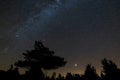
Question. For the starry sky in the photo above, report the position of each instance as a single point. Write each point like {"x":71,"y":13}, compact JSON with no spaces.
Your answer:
{"x":81,"y":31}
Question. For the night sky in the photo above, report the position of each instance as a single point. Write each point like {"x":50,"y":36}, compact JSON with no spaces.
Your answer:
{"x":81,"y":31}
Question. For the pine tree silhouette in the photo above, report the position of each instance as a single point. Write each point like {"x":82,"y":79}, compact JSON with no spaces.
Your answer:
{"x":69,"y":76}
{"x":39,"y":58}
{"x":110,"y":70}
{"x":60,"y":77}
{"x":90,"y":73}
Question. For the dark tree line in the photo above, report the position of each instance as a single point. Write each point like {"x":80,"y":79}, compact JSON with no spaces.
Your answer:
{"x":41,"y":58}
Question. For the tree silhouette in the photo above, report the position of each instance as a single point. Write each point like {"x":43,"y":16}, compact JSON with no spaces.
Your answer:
{"x":110,"y":70}
{"x":12,"y":73}
{"x":40,"y":58}
{"x":60,"y":77}
{"x":76,"y":77}
{"x":69,"y":76}
{"x":90,"y":73}
{"x":53,"y":76}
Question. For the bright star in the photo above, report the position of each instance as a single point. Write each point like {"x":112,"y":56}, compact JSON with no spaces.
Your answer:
{"x":75,"y":65}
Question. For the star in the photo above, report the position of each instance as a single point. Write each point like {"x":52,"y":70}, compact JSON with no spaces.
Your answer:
{"x":17,"y":36}
{"x":6,"y":50}
{"x":76,"y":65}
